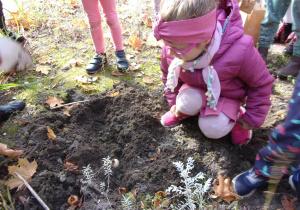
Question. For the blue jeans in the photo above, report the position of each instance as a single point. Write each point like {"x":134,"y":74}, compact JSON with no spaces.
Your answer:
{"x":276,"y":10}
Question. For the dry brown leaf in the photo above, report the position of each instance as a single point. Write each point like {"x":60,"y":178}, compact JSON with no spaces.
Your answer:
{"x":138,"y":75}
{"x":117,"y":73}
{"x":68,"y":108}
{"x":53,"y":101}
{"x":13,"y":154}
{"x":134,"y":193}
{"x":160,"y":195}
{"x":135,"y":42}
{"x":87,"y":88}
{"x":122,"y":190}
{"x":287,"y":203}
{"x":51,"y":135}
{"x":147,"y":80}
{"x":147,"y":20}
{"x":134,"y":67}
{"x":20,"y":122}
{"x":82,"y":78}
{"x":43,"y":69}
{"x":114,"y":94}
{"x":72,"y":167}
{"x":223,"y":190}
{"x":24,"y":169}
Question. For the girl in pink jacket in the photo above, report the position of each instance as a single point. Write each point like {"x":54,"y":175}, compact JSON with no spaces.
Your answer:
{"x":210,"y":68}
{"x":91,"y":7}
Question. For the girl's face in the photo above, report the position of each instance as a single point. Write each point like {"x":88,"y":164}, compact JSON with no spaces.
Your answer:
{"x":185,"y":51}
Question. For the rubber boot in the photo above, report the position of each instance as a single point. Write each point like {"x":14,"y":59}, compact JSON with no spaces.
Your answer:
{"x":10,"y":108}
{"x":263,"y":52}
{"x":292,"y":69}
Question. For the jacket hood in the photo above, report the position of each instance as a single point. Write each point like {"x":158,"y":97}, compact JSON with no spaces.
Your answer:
{"x":234,"y":25}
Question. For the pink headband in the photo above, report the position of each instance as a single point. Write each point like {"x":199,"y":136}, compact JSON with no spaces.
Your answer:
{"x":193,"y":30}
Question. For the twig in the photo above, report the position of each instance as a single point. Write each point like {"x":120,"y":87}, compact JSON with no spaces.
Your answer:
{"x":76,"y":102}
{"x":32,"y":191}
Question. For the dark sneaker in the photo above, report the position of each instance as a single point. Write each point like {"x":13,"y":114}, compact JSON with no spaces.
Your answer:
{"x":98,"y":62}
{"x":288,"y":50}
{"x":295,"y":180}
{"x":10,"y":108}
{"x":122,"y":63}
{"x":246,"y":183}
{"x":168,"y":120}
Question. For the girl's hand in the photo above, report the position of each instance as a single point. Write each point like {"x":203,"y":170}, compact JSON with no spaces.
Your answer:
{"x":244,"y":124}
{"x":175,"y":111}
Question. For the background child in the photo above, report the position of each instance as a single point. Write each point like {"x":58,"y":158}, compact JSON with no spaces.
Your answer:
{"x":91,"y":7}
{"x":283,"y":147}
{"x":276,"y":9}
{"x":210,"y":66}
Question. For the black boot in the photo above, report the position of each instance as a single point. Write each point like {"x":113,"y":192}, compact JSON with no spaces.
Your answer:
{"x":98,"y":62}
{"x":288,"y":50}
{"x":122,"y":63}
{"x":10,"y":108}
{"x":263,"y":51}
{"x":292,"y":69}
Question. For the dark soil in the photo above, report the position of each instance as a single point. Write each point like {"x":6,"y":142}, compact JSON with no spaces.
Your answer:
{"x":127,"y":127}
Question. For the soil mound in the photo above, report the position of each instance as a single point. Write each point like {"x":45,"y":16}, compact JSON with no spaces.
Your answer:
{"x":126,"y":126}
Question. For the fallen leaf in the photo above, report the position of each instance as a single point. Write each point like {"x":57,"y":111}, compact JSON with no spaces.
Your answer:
{"x":72,"y":167}
{"x":25,"y":169}
{"x":68,"y":108}
{"x":117,"y":73}
{"x":147,"y":20}
{"x":134,"y":193}
{"x":43,"y":69}
{"x":51,"y":135}
{"x":114,"y":94}
{"x":13,"y":154}
{"x":134,"y":67}
{"x":53,"y":101}
{"x":147,"y":80}
{"x":159,"y":198}
{"x":20,"y":122}
{"x":287,"y":203}
{"x":82,"y":78}
{"x":223,"y":190}
{"x":138,"y":75}
{"x":122,"y":190}
{"x":135,"y":42}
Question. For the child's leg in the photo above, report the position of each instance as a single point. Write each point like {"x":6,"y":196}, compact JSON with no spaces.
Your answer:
{"x":283,"y":151}
{"x":215,"y":127}
{"x":296,"y":26}
{"x":91,"y":8}
{"x":189,"y":101}
{"x":284,"y":141}
{"x":112,"y":20}
{"x":276,"y":9}
{"x":156,"y":4}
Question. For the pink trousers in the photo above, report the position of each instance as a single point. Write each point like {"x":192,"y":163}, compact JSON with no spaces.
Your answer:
{"x":189,"y":101}
{"x":91,"y":7}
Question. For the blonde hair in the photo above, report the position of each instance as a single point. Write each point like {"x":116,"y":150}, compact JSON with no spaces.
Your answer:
{"x":173,"y":10}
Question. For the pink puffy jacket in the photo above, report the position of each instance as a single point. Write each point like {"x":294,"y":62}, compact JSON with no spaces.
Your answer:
{"x":242,"y":72}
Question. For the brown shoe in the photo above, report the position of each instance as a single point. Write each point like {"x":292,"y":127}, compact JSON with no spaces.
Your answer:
{"x":263,"y":52}
{"x":292,"y":69}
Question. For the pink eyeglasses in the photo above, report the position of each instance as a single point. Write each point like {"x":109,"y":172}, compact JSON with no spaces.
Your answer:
{"x":179,"y":52}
